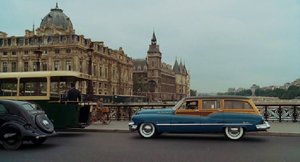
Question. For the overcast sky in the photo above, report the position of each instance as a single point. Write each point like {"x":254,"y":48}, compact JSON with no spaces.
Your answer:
{"x":224,"y":43}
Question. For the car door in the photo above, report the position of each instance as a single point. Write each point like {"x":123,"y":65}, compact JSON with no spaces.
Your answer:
{"x":211,"y":113}
{"x":3,"y":114}
{"x":236,"y":111}
{"x":187,"y":117}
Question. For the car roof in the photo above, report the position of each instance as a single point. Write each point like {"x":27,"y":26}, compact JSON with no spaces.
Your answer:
{"x":13,"y":101}
{"x":218,"y":97}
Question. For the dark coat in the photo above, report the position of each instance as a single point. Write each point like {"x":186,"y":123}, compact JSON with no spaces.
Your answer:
{"x":73,"y":95}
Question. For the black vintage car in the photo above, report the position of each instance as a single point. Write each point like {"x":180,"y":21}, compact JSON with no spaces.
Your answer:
{"x":23,"y":121}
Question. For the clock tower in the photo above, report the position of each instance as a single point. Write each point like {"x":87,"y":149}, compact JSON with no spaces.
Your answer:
{"x":154,"y":69}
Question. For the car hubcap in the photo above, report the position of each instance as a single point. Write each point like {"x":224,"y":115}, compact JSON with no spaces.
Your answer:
{"x":234,"y":131}
{"x":10,"y":138}
{"x":147,"y":129}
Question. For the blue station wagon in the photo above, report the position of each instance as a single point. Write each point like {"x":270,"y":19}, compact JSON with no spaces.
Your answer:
{"x":230,"y":115}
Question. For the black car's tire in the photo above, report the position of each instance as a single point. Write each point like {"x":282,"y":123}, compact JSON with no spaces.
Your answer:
{"x":39,"y":141}
{"x":11,"y":138}
{"x":234,"y":133}
{"x":147,"y":130}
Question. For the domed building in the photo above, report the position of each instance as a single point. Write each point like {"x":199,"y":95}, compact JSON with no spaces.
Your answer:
{"x":56,"y":22}
{"x":55,"y":46}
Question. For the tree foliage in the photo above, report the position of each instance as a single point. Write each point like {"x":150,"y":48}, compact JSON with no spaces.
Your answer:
{"x":291,"y":93}
{"x":193,"y":92}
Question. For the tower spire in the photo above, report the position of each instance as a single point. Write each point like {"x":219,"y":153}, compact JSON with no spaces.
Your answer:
{"x":33,"y":28}
{"x":153,"y":40}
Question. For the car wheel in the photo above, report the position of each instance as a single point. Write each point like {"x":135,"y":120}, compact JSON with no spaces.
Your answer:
{"x":147,"y":130}
{"x":38,"y":141}
{"x":11,"y":138}
{"x":44,"y":123}
{"x":234,"y":133}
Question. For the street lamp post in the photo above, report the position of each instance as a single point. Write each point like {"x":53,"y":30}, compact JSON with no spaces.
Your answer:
{"x":90,"y":92}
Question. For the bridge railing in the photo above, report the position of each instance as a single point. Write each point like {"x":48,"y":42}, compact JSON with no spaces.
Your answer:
{"x":280,"y":111}
{"x":271,"y":111}
{"x":125,"y":111}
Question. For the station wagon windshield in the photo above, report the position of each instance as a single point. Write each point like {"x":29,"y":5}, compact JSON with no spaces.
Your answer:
{"x":178,"y":104}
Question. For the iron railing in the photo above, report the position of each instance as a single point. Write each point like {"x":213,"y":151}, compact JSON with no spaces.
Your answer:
{"x":125,"y":111}
{"x":271,"y":111}
{"x":280,"y":111}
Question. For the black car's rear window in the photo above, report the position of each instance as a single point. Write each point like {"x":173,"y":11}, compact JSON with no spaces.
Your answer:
{"x":29,"y":107}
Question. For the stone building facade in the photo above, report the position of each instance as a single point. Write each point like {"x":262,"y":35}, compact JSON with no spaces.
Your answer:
{"x":158,"y":80}
{"x":62,"y":49}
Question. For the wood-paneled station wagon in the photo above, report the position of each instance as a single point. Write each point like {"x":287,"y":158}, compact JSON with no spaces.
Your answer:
{"x":231,"y":115}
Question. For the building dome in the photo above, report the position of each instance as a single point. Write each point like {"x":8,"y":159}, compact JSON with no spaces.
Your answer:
{"x":56,"y":22}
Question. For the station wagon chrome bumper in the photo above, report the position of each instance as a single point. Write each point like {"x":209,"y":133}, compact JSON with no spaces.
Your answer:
{"x":263,"y":126}
{"x":132,"y":126}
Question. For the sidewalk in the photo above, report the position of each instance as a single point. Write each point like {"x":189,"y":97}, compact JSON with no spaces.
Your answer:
{"x":277,"y":128}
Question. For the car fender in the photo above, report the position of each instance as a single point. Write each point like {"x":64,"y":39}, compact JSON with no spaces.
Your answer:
{"x":154,"y":119}
{"x":13,"y":125}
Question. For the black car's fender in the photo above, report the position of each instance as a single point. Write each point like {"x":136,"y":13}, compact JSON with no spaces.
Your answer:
{"x":13,"y":125}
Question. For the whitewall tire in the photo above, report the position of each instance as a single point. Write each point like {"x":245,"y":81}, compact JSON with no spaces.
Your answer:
{"x":234,"y":133}
{"x":147,"y":130}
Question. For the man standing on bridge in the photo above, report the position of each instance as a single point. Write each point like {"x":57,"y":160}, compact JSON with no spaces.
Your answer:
{"x":73,"y":94}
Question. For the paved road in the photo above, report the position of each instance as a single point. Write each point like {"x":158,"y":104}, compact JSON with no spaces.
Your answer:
{"x":118,"y":147}
{"x":277,"y":128}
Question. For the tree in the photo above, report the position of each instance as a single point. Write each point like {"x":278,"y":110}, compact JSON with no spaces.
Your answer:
{"x":193,"y":92}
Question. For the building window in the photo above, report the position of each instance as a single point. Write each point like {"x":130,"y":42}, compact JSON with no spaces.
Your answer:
{"x":35,"y":65}
{"x":26,"y":66}
{"x":13,"y":53}
{"x":4,"y":67}
{"x":45,"y":67}
{"x":14,"y":66}
{"x":68,"y":65}
{"x":56,"y":65}
{"x":114,"y":74}
{"x":100,"y":72}
{"x":68,"y":50}
{"x":26,"y":53}
{"x":94,"y":70}
{"x":80,"y":67}
{"x":4,"y":53}
{"x":106,"y":72}
{"x":56,"y":51}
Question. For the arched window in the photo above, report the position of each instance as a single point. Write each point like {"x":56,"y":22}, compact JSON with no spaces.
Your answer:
{"x":152,"y":86}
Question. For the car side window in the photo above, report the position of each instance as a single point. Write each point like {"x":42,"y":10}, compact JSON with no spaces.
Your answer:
{"x":189,"y":105}
{"x":210,"y":104}
{"x":235,"y":104}
{"x":2,"y":110}
{"x":192,"y":104}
